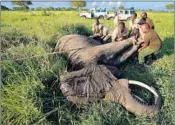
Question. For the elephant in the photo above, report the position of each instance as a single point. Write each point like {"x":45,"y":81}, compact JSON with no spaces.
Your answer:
{"x":95,"y":75}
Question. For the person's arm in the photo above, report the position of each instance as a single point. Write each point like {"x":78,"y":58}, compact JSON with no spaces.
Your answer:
{"x":130,"y":29}
{"x":101,"y":32}
{"x":137,"y":33}
{"x":93,"y":29}
{"x":114,"y":35}
{"x":104,"y":32}
{"x":146,"y":41}
{"x":125,"y":34}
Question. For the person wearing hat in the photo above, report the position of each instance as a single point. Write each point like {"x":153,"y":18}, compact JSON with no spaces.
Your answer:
{"x":148,"y":20}
{"x":120,"y":32}
{"x":151,"y":42}
{"x":133,"y":26}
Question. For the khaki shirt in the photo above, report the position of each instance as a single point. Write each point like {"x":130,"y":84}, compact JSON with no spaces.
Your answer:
{"x":118,"y":36}
{"x":95,"y":28}
{"x":152,"y":39}
{"x":106,"y":31}
{"x":116,"y":20}
{"x":133,"y":24}
{"x":150,"y":23}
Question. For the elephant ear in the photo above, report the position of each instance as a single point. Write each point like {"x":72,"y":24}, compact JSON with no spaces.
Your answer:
{"x":121,"y":93}
{"x":88,"y":84}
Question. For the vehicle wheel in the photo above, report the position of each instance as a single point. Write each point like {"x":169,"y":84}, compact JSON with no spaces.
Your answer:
{"x":128,"y":18}
{"x":101,"y":17}
{"x":109,"y":18}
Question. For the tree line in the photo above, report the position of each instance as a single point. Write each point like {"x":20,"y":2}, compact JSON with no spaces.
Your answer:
{"x":47,"y":9}
{"x":75,"y":5}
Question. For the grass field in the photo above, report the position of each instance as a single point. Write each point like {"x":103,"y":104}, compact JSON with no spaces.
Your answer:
{"x":30,"y":89}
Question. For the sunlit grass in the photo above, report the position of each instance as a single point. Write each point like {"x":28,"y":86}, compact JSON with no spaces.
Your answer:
{"x":30,"y":90}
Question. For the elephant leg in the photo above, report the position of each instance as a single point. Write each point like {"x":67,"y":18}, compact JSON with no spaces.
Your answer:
{"x":120,"y":93}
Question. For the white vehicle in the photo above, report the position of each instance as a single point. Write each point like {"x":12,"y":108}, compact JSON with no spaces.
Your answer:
{"x":123,"y":14}
{"x":94,"y":13}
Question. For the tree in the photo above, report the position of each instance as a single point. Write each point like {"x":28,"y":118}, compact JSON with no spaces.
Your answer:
{"x":21,"y":3}
{"x":150,"y":10}
{"x":114,"y":8}
{"x":78,"y":4}
{"x":4,"y":8}
{"x":32,"y":9}
{"x":39,"y":8}
{"x":169,"y":7}
{"x":19,"y":8}
{"x":121,"y":7}
{"x":50,"y":8}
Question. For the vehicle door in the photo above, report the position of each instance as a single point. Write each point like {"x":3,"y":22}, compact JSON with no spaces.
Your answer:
{"x":121,"y":14}
{"x":127,"y":14}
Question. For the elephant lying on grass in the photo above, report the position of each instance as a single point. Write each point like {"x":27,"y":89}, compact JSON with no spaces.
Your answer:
{"x":95,"y":76}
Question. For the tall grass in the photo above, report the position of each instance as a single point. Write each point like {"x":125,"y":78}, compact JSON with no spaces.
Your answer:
{"x":30,"y":89}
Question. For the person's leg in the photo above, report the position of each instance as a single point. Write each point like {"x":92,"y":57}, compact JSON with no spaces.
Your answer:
{"x":144,"y":53}
{"x":153,"y":56}
{"x":106,"y":38}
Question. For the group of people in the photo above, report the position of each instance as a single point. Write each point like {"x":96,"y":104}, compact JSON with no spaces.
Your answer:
{"x":141,"y":30}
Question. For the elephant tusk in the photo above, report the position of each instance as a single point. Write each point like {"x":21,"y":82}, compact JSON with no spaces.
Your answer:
{"x":151,"y":89}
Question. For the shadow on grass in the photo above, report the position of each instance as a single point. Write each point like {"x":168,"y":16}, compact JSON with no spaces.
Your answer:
{"x":167,"y":47}
{"x":79,"y":29}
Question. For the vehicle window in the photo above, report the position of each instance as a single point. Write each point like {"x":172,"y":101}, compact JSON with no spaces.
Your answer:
{"x":97,"y":10}
{"x":102,"y":10}
{"x":126,"y":12}
{"x":132,"y":12}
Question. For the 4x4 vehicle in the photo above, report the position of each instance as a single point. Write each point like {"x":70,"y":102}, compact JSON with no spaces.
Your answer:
{"x":123,"y":14}
{"x":95,"y":13}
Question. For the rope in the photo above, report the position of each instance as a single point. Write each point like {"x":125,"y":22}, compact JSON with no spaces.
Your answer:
{"x":36,"y":56}
{"x":31,"y":57}
{"x":53,"y":53}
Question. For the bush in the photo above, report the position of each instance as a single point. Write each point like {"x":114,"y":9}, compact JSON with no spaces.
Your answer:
{"x":45,"y":13}
{"x":13,"y":38}
{"x":76,"y":29}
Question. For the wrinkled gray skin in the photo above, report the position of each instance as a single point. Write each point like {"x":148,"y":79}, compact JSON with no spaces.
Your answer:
{"x":97,"y":75}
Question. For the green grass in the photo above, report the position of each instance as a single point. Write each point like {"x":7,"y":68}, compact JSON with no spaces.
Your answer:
{"x":30,"y":90}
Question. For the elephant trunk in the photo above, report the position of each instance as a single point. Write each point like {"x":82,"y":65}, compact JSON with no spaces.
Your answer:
{"x":121,"y":93}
